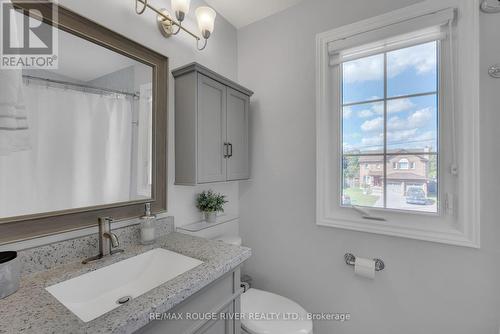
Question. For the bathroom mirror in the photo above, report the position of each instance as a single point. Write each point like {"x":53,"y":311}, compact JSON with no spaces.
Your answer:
{"x":86,"y":134}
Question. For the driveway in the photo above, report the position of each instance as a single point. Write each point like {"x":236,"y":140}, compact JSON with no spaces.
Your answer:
{"x":396,"y":200}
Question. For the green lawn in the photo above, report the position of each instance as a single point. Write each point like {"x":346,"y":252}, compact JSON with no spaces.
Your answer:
{"x":358,"y":198}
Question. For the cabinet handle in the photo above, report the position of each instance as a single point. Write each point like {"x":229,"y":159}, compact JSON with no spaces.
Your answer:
{"x":231,"y":150}
{"x":226,"y":155}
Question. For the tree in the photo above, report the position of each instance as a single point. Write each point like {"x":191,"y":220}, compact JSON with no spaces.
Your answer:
{"x":350,"y":169}
{"x":432,"y":168}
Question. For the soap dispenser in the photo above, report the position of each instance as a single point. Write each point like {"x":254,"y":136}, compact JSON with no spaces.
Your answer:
{"x":148,"y":226}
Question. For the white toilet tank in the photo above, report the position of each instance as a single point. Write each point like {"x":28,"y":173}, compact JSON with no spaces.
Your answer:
{"x":224,"y":230}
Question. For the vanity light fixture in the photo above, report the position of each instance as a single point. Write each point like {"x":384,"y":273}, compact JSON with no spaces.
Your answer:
{"x":169,"y":26}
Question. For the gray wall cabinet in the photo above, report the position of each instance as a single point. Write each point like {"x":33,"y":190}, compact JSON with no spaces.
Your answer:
{"x":211,"y":127}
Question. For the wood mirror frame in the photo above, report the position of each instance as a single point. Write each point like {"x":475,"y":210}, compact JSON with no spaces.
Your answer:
{"x":31,"y":226}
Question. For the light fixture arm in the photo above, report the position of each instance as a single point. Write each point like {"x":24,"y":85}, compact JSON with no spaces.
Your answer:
{"x":140,"y":11}
{"x":163,"y":16}
{"x":178,"y":28}
{"x":198,"y":44}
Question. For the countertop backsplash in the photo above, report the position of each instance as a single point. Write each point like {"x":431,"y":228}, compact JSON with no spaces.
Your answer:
{"x":49,"y":256}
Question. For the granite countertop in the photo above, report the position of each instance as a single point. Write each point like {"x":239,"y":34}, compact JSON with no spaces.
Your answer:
{"x":32,"y":309}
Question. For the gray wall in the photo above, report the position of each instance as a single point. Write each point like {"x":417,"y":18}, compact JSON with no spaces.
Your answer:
{"x":122,"y":80}
{"x":220,"y":55}
{"x":426,"y":287}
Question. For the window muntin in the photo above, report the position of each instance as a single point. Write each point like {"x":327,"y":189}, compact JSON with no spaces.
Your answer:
{"x":396,"y":126}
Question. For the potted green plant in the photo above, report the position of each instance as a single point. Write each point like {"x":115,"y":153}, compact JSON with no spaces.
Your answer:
{"x":210,"y":203}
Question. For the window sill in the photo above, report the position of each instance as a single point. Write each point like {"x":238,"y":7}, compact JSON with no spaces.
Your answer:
{"x":445,"y":234}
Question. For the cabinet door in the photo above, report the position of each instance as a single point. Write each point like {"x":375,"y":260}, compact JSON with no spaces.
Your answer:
{"x":220,"y":326}
{"x":211,"y":130}
{"x":237,"y":135}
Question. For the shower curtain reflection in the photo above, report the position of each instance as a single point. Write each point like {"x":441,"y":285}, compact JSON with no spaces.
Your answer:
{"x":80,"y":153}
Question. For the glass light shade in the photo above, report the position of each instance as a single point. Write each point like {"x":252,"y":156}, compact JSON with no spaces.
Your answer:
{"x":181,"y":6}
{"x":206,"y":18}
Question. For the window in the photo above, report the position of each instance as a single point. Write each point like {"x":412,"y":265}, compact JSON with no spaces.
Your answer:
{"x":390,"y":110}
{"x":392,"y":99}
{"x":403,"y":164}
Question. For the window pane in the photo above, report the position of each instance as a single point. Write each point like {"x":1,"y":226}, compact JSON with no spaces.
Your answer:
{"x":412,"y":182}
{"x":410,"y":127}
{"x":412,"y":124}
{"x":363,"y":181}
{"x":412,"y":70}
{"x":363,"y":128}
{"x":363,"y":79}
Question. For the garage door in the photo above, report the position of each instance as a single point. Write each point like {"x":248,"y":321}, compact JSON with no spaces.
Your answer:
{"x":394,"y":187}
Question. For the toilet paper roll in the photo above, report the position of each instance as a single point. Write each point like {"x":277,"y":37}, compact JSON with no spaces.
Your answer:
{"x":364,"y":267}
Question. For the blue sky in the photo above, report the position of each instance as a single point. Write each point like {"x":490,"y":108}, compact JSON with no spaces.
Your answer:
{"x":411,"y":122}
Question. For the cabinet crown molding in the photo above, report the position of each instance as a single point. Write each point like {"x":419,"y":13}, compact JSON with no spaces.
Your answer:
{"x":195,"y":67}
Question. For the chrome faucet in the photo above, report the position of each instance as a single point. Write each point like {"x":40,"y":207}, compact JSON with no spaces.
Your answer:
{"x":107,"y":240}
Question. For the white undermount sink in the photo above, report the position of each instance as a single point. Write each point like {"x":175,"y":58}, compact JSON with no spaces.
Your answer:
{"x":91,"y":295}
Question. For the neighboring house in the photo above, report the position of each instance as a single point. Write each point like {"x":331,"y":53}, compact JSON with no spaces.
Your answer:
{"x":403,"y":171}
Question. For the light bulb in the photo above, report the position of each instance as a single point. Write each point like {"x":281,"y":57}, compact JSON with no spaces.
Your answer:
{"x":206,"y":18}
{"x":180,"y":8}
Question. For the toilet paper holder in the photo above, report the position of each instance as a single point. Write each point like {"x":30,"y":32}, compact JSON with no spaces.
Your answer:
{"x":350,"y":258}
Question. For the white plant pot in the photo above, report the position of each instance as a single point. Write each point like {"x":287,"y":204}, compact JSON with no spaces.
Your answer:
{"x":211,"y":217}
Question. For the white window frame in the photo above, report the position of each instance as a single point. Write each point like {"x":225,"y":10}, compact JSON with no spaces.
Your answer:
{"x":459,"y":222}
{"x":404,"y":161}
